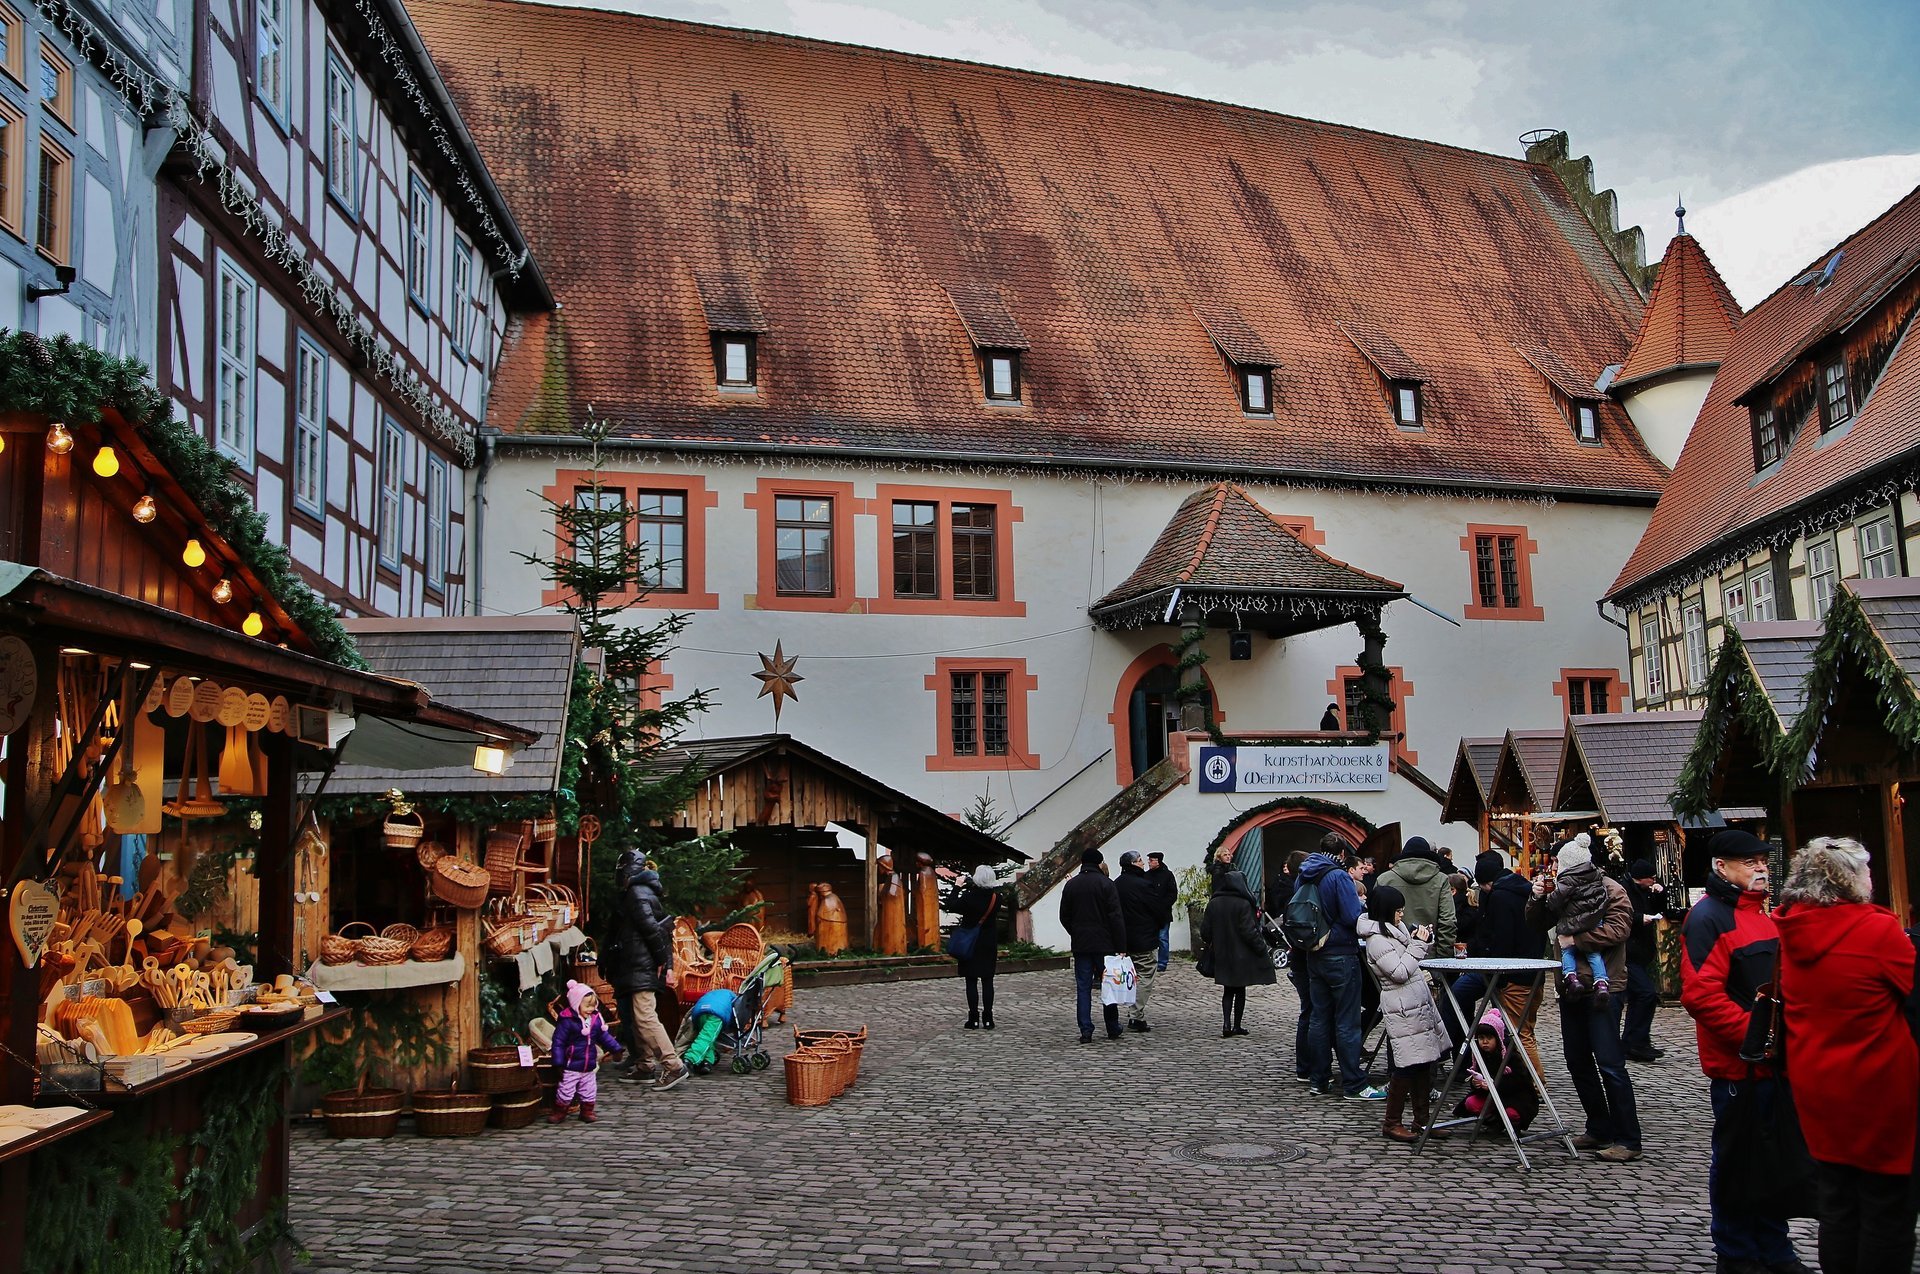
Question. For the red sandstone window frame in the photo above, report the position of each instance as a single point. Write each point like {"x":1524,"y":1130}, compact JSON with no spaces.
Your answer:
{"x":1524,"y":549}
{"x":1004,"y":604}
{"x":1610,"y":681}
{"x":763,"y":501}
{"x":627,"y":484}
{"x":1020,"y":685}
{"x":1399,"y":689}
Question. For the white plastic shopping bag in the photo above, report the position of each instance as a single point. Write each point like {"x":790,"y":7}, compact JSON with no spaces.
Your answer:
{"x":1116,"y":984}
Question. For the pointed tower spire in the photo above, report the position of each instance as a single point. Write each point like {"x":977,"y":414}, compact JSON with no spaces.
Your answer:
{"x":1689,"y":320}
{"x":1680,"y":214}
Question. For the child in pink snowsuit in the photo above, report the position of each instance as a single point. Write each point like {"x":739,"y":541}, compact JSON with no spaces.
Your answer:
{"x":577,"y":1039}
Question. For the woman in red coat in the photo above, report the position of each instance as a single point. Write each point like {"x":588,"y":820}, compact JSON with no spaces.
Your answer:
{"x":1846,"y":968}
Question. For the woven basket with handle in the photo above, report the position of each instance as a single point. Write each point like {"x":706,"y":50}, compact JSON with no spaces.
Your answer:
{"x":810,"y":1077}
{"x":459,"y":884}
{"x":434,"y":944}
{"x":382,"y":950}
{"x":339,"y":948}
{"x":404,"y":831}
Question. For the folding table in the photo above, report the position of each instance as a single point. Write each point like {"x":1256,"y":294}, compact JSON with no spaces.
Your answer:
{"x":1548,"y":1126}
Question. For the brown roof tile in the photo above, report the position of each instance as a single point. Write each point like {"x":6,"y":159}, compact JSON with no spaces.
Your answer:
{"x":849,"y":187}
{"x":1234,"y":337}
{"x":1473,"y":767}
{"x":1555,"y":369}
{"x":729,"y":303}
{"x":1381,"y":350}
{"x":1221,"y":539}
{"x":983,"y":311}
{"x":1690,"y":317}
{"x":1713,"y":506}
{"x":1524,"y":776}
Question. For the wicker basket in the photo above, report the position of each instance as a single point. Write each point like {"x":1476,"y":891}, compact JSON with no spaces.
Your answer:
{"x":516,"y":1109}
{"x":338,"y":948}
{"x":459,"y":884}
{"x":363,"y":1112}
{"x":498,"y":1070}
{"x":381,"y":950}
{"x":402,"y":933}
{"x":404,"y":831}
{"x":212,"y":1023}
{"x":840,"y":1050}
{"x":810,"y":1077}
{"x":434,"y":944}
{"x":429,"y":852}
{"x":803,"y":1037}
{"x":503,"y":859}
{"x":449,"y":1112}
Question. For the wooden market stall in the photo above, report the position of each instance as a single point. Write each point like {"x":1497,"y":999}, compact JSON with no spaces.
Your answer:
{"x":781,"y":799}
{"x":1468,"y":788}
{"x":154,"y":683}
{"x":1828,"y":751}
{"x":1520,"y":794}
{"x":514,"y":669}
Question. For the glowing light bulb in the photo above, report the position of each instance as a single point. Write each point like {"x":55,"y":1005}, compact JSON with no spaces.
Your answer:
{"x":59,"y":441}
{"x":145,"y":510}
{"x":3,"y":444}
{"x":194,"y":554}
{"x":105,"y":463}
{"x":223,"y":591}
{"x":253,"y":625}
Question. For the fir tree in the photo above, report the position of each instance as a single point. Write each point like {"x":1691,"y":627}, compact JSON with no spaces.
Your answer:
{"x":613,"y":765}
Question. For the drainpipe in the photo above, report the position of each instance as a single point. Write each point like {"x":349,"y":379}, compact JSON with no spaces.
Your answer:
{"x":1600,"y":608}
{"x":478,"y":520}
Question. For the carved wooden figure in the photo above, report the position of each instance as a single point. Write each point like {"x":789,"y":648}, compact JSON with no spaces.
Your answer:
{"x":813,"y":911}
{"x":830,"y":925}
{"x":890,"y":935}
{"x":926,"y":902}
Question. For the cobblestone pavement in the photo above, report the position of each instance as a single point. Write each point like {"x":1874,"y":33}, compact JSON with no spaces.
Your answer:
{"x":1018,"y":1149}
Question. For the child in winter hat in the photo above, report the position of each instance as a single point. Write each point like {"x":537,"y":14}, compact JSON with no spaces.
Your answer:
{"x":577,"y":1040}
{"x":1579,"y":903}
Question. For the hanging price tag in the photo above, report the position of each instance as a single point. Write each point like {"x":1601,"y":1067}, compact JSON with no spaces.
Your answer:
{"x":325,"y":997}
{"x":526,"y":1055}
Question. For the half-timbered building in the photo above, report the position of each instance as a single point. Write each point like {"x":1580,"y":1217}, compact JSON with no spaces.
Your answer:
{"x":338,"y":272}
{"x":1063,"y":430}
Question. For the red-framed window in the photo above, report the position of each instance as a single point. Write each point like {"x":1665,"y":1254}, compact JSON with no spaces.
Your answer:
{"x":666,"y":517}
{"x":1500,"y":573}
{"x":945,"y":551}
{"x":1591,"y":691}
{"x":980,"y":714}
{"x":1345,"y":690}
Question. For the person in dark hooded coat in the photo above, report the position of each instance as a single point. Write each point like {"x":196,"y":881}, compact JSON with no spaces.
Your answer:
{"x":643,"y":938}
{"x":1236,"y":953}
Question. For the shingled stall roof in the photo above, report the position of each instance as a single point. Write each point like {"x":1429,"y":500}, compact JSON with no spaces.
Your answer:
{"x":1223,"y":553}
{"x":905,"y":823}
{"x":1716,"y":509}
{"x":861,"y":193}
{"x":1624,"y":764}
{"x":1779,"y":655}
{"x":1473,"y":767}
{"x":1526,"y":772}
{"x":1689,"y":320}
{"x":517,"y":669}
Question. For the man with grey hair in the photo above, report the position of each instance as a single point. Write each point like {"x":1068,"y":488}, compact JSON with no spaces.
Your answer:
{"x":1142,"y":911}
{"x":1730,"y":948}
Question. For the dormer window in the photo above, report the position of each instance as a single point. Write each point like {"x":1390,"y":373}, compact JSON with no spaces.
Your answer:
{"x":1000,"y":374}
{"x":1256,"y":389}
{"x":1766,"y":438}
{"x":1406,"y":404}
{"x":1586,"y":420}
{"x":1836,"y":406}
{"x":734,"y":359}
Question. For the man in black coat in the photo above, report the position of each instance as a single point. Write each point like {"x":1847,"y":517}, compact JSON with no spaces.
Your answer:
{"x":1167,"y":889}
{"x":1142,"y":914}
{"x":1643,"y":989}
{"x":642,"y":942}
{"x":1090,"y":913}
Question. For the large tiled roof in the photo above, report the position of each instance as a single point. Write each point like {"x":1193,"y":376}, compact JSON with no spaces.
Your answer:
{"x":1523,"y":777}
{"x":1713,"y":509}
{"x":859,"y":194}
{"x":1627,"y":763}
{"x":515,"y":669}
{"x":1690,"y":317}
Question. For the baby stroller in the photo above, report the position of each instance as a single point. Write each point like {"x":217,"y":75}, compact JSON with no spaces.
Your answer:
{"x":1277,"y":948}
{"x":725,"y":1020}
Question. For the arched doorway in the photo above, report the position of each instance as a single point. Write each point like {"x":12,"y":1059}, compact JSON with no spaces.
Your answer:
{"x":1145,"y":711}
{"x":1267,"y":835}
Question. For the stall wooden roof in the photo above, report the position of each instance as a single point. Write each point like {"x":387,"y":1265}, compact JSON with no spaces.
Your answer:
{"x":1524,"y":775}
{"x":1473,"y":767}
{"x":1624,"y":765}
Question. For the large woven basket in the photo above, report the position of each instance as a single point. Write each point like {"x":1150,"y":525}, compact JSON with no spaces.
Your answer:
{"x":503,"y":859}
{"x":363,"y":1112}
{"x":515,"y":1110}
{"x":450,"y":1112}
{"x":380,"y":949}
{"x":498,"y":1070}
{"x":403,"y":831}
{"x":457,"y":883}
{"x":840,"y":1051}
{"x":338,"y":948}
{"x":810,"y":1077}
{"x":434,"y":944}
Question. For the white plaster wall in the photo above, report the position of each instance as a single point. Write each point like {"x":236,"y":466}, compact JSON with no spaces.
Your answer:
{"x":1664,"y":412}
{"x":865,"y":698}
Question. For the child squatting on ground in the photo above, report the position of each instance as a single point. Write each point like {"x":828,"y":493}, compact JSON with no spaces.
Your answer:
{"x":1512,"y":1088}
{"x":577,"y":1040}
{"x":1579,"y":903}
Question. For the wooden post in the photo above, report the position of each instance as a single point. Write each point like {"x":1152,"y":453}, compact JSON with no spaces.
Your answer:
{"x":278,"y":827}
{"x":1893,"y":822}
{"x":872,"y":819}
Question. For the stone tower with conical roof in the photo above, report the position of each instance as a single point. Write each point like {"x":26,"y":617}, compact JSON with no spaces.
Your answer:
{"x":1685,"y":330}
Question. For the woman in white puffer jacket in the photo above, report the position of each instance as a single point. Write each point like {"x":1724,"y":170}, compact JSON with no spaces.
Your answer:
{"x":1416,"y":1037}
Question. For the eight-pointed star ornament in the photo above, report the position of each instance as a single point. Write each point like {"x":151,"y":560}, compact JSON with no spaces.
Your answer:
{"x":777,"y":678}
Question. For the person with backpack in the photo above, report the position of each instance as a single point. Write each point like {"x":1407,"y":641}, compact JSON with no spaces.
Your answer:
{"x":1319,"y":929}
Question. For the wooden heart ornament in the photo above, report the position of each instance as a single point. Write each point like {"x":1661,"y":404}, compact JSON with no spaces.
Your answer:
{"x":31,"y":914}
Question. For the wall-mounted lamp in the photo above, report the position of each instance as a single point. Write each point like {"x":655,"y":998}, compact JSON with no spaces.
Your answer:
{"x":63,"y":275}
{"x":490,"y":760}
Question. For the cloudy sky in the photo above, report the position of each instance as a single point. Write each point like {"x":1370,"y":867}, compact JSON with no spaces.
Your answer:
{"x":1783,"y":124}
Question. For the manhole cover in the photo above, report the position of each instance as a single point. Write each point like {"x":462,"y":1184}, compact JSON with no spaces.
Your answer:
{"x":1239,"y":1153}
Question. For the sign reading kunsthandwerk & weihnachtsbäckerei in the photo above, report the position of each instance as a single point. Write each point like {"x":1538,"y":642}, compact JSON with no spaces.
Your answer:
{"x":1295,"y":769}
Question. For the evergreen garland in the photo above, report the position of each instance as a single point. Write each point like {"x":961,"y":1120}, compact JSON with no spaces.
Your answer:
{"x":1310,"y":804}
{"x":1734,"y":695}
{"x":99,"y":1203}
{"x":64,"y":380}
{"x":1850,"y":639}
{"x":223,"y":1173}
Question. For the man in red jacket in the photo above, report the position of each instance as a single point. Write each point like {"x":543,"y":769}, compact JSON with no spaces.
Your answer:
{"x":1729,"y":950}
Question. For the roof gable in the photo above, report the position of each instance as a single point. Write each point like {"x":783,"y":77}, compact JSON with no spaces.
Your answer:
{"x":1473,"y":766}
{"x":1689,"y":319}
{"x":642,"y":151}
{"x":1525,"y":774}
{"x":1628,"y":763}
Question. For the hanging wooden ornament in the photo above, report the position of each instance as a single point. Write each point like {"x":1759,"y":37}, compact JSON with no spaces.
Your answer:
{"x":150,"y":772}
{"x":180,"y":696}
{"x":31,"y":914}
{"x":206,"y":702}
{"x":233,"y":707}
{"x":279,"y":715}
{"x":236,"y":767}
{"x":124,"y":803}
{"x":259,"y":711}
{"x":195,"y":797}
{"x":156,"y":696}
